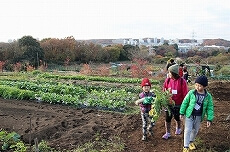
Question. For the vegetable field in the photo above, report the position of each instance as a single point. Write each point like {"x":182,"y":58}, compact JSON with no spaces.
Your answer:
{"x":80,"y":112}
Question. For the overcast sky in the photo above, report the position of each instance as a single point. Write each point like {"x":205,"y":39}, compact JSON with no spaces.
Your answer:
{"x":113,"y":19}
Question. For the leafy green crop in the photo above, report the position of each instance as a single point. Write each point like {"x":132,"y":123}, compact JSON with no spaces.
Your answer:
{"x":162,"y":101}
{"x":11,"y":141}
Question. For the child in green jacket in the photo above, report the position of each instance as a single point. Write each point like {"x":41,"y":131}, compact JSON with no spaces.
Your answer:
{"x":197,"y":103}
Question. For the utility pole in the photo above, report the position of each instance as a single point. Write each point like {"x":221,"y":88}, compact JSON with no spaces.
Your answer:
{"x":193,"y":40}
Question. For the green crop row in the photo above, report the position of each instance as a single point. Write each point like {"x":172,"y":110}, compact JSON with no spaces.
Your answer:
{"x":8,"y":92}
{"x":96,"y":78}
{"x":66,"y":94}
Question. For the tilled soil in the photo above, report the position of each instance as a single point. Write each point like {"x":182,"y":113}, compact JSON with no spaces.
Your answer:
{"x":68,"y":127}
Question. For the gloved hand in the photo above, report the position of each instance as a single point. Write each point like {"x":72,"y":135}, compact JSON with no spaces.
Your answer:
{"x":148,"y":100}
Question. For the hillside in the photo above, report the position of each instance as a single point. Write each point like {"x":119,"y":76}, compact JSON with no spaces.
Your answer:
{"x":217,"y":42}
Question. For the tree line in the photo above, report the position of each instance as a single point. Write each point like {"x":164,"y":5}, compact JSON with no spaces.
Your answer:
{"x":30,"y":51}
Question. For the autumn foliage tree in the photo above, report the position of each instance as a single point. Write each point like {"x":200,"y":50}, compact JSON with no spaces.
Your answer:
{"x":58,"y":50}
{"x":2,"y":63}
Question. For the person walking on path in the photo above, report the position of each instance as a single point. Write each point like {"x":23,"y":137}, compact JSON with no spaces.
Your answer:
{"x":185,"y":74}
{"x":197,"y":103}
{"x":146,"y":99}
{"x":177,"y":86}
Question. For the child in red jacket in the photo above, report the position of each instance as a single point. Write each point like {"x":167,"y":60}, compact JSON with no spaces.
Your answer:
{"x":178,"y":88}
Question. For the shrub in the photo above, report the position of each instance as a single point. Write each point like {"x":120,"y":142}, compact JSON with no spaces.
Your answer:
{"x":103,"y":70}
{"x":43,"y":147}
{"x":225,"y":70}
{"x":86,"y":70}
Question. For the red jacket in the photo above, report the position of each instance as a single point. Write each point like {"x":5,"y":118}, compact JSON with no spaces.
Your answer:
{"x":178,"y":88}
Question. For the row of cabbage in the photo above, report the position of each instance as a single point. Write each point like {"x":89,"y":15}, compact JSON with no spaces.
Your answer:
{"x":95,"y":78}
{"x":68,"y":94}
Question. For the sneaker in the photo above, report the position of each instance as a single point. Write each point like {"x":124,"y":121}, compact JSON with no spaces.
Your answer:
{"x":166,"y":136}
{"x":185,"y":149}
{"x":178,"y":131}
{"x":192,"y":146}
{"x":143,"y":138}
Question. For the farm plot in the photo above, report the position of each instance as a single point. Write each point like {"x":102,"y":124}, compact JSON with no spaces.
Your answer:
{"x":68,"y":127}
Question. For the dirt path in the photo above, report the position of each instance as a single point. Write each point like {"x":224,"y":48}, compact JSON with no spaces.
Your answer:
{"x":66,"y":127}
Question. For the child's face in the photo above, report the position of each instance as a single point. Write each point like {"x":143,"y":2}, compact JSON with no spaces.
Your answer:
{"x":146,"y":88}
{"x":199,"y":87}
{"x":170,"y":75}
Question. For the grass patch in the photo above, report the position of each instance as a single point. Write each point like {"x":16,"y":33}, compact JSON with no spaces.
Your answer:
{"x":99,"y":144}
{"x":201,"y":146}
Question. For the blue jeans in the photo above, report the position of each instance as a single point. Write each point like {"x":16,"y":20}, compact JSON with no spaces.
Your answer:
{"x":191,"y":128}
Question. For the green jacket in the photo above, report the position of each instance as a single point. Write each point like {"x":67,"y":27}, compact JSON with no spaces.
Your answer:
{"x":189,"y":103}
